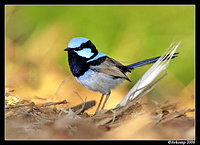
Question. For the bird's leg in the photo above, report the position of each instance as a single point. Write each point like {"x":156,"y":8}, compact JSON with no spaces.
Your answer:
{"x":99,"y":104}
{"x":107,"y":96}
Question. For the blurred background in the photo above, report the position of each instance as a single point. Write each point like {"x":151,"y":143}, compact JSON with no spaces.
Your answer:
{"x":35,"y":37}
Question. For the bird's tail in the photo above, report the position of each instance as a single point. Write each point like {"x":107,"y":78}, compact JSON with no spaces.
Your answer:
{"x":147,"y":61}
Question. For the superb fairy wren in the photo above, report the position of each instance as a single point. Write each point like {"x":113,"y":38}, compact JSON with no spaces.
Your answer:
{"x":95,"y":70}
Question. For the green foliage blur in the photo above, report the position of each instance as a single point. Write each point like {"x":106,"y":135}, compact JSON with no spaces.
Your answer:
{"x":36,"y":36}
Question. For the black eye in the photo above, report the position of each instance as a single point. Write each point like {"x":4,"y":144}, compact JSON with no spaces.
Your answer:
{"x":78,"y":48}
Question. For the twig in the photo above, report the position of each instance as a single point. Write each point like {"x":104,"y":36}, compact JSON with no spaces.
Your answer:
{"x":173,"y":115}
{"x":37,"y":106}
{"x":56,"y":94}
{"x":62,"y":110}
{"x":17,"y":106}
{"x":87,"y":105}
{"x":56,"y":103}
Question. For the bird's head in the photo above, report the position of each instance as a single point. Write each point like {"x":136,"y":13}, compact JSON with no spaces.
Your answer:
{"x":83,"y":47}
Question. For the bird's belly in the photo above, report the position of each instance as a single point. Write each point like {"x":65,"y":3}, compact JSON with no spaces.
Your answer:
{"x":100,"y":82}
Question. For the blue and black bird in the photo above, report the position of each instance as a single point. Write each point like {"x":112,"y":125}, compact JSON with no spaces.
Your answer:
{"x":96,"y":71}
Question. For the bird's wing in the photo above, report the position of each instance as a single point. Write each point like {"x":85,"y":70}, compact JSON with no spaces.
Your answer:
{"x":111,"y":67}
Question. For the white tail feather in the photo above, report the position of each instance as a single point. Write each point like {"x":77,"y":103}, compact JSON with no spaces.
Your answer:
{"x":160,"y":65}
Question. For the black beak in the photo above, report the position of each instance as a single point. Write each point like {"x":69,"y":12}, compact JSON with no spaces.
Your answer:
{"x":67,"y":49}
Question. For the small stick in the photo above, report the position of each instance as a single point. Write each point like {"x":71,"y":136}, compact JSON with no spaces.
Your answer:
{"x":56,"y":103}
{"x":17,"y":106}
{"x":87,"y":105}
{"x":38,"y":106}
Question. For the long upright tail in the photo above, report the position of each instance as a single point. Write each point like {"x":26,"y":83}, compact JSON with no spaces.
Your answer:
{"x":147,"y":61}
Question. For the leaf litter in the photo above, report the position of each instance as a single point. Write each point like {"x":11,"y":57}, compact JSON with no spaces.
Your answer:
{"x":56,"y":120}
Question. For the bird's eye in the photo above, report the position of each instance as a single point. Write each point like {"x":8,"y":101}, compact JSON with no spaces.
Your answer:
{"x":79,"y":48}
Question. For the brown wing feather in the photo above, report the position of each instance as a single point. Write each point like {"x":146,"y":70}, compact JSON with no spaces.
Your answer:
{"x":111,"y":67}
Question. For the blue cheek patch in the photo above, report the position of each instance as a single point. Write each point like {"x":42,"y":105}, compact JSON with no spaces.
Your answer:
{"x":86,"y":52}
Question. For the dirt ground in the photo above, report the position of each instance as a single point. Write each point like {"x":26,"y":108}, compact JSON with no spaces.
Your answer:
{"x":45,"y":119}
